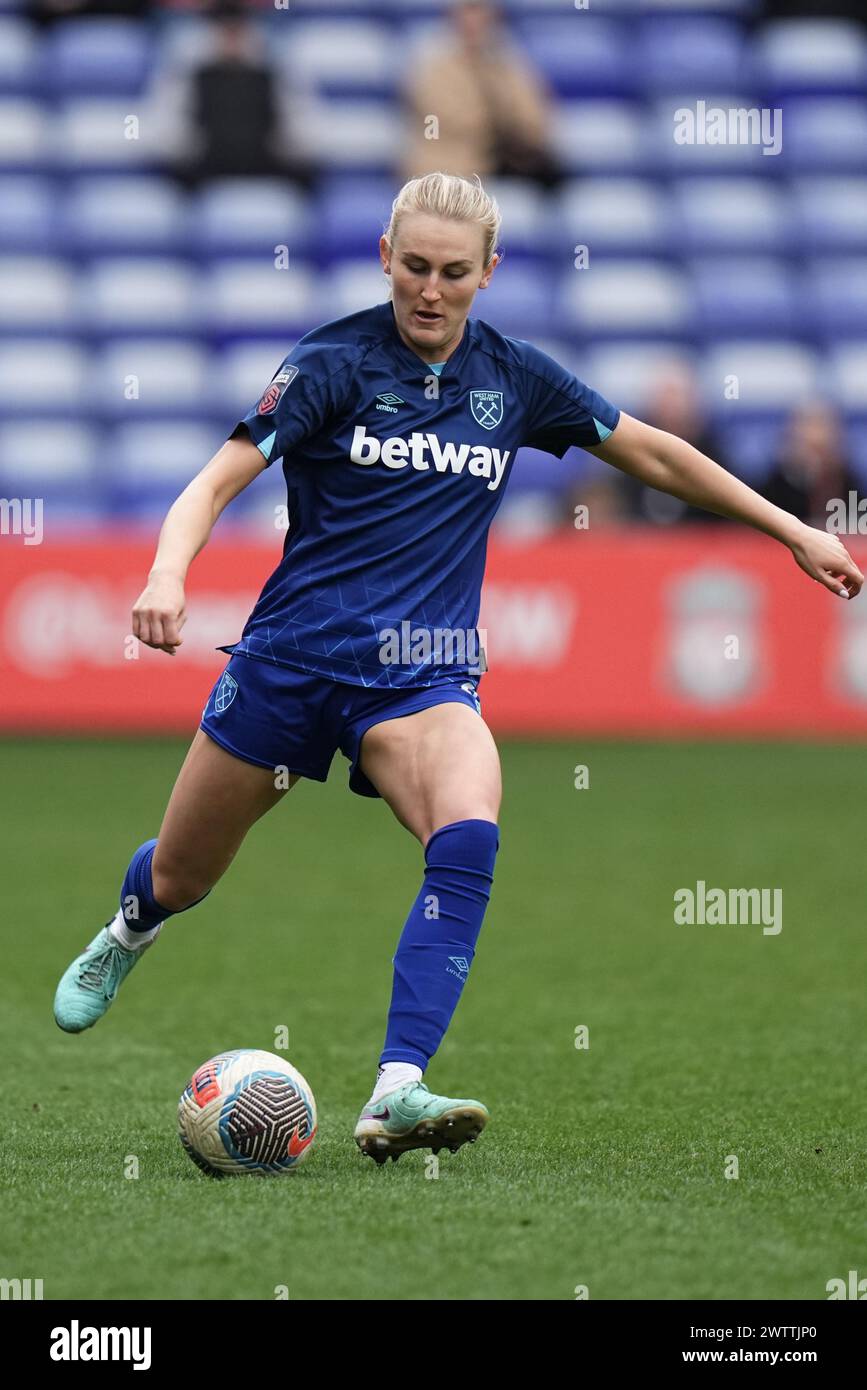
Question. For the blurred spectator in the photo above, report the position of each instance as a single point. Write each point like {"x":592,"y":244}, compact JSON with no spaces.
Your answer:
{"x":676,"y":407}
{"x":491,"y":107}
{"x":812,"y":466}
{"x":233,"y":108}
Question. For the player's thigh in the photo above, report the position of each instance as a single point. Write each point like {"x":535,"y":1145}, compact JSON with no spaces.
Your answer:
{"x":215,"y":800}
{"x":435,"y":767}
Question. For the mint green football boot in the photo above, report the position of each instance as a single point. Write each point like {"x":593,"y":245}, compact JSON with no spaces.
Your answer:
{"x":412,"y":1118}
{"x":89,"y":986}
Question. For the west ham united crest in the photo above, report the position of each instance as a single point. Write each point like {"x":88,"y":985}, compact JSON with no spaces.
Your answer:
{"x":487,"y":408}
{"x":225,"y":692}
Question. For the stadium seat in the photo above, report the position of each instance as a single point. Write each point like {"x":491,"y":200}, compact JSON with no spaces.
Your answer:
{"x":811,"y":55}
{"x":613,"y":215}
{"x":356,"y":136}
{"x":527,"y":216}
{"x":249,"y":296}
{"x":95,"y":54}
{"x":53,"y":459}
{"x":600,"y":135}
{"x":582,"y":55}
{"x":731,"y":215}
{"x":101,"y":134}
{"x":134,"y":214}
{"x":37,"y":293}
{"x":834,"y":302}
{"x":49,"y":377}
{"x":832,"y":213}
{"x":241,"y":216}
{"x":354,"y":285}
{"x":27,"y":213}
{"x":146,"y":465}
{"x":143,"y":377}
{"x":127,"y":294}
{"x":628,"y":373}
{"x":847,"y":376}
{"x":690,"y":53}
{"x":519,"y":300}
{"x":740,"y":294}
{"x":768,"y":375}
{"x":243,"y":370}
{"x":26,"y":139}
{"x":19,"y":56}
{"x":825,"y":134}
{"x":617,"y":298}
{"x":351,"y":213}
{"x":339,"y":58}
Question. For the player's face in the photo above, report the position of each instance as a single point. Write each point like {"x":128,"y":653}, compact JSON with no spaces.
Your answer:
{"x":436,"y":266}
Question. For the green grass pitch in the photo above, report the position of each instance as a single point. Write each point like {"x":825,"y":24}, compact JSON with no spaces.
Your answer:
{"x":603,"y":1166}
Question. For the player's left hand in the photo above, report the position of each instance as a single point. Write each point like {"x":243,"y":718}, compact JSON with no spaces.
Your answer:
{"x":825,"y":558}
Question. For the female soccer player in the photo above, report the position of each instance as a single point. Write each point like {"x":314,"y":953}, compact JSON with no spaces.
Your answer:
{"x":397,"y":427}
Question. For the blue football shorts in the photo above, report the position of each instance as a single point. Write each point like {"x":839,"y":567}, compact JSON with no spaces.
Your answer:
{"x":277,"y":717}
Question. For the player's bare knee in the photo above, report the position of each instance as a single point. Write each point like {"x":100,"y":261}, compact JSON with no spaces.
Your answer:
{"x":177,"y":889}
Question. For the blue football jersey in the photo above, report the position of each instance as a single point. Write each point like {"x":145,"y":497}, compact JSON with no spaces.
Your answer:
{"x":394,"y":473}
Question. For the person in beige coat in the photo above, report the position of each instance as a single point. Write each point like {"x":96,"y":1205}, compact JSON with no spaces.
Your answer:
{"x":475,"y":105}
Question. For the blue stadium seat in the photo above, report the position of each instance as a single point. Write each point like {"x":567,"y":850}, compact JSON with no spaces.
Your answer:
{"x":690,"y":53}
{"x":847,"y":376}
{"x":614,"y":215}
{"x":97,"y":55}
{"x":139,"y":378}
{"x":37,"y":294}
{"x":248,"y":296}
{"x":601,"y":135}
{"x":824,"y":135}
{"x":585,"y":54}
{"x":132,"y":213}
{"x":48,"y":378}
{"x":519,"y":300}
{"x":56,"y":460}
{"x":339,"y":58}
{"x":144,"y":294}
{"x":821,"y":55}
{"x":355,"y":136}
{"x":832,"y":212}
{"x":731,"y":215}
{"x":745,"y":294}
{"x":624,"y":298}
{"x":19,"y":56}
{"x":628,"y":372}
{"x":241,"y":216}
{"x":99,"y":135}
{"x":27,"y":213}
{"x":770,"y":375}
{"x":834,"y":302}
{"x":353,"y":285}
{"x":351,"y":213}
{"x":527,"y":216}
{"x":241,"y":373}
{"x":146,"y":465}
{"x":26,"y":136}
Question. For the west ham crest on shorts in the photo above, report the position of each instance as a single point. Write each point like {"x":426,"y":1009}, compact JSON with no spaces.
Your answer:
{"x":487,"y":408}
{"x":225,"y":692}
{"x":275,"y":391}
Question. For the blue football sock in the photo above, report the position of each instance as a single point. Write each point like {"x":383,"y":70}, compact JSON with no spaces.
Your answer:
{"x":140,"y":909}
{"x":438,"y":943}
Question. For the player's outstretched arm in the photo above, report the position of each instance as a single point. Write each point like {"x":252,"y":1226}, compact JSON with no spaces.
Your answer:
{"x":665,"y":462}
{"x":160,"y":611}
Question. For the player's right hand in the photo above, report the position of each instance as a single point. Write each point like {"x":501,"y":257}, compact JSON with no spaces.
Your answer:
{"x":160,"y":613}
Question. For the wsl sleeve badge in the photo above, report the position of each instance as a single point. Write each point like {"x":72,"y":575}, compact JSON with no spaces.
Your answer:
{"x":268,"y":403}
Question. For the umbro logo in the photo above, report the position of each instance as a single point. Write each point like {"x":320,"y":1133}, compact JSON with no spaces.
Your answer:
{"x":389,"y":401}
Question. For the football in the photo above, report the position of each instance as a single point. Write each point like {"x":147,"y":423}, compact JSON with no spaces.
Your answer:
{"x":247,"y":1112}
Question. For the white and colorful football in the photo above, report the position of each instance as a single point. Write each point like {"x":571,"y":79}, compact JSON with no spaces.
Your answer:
{"x":247,"y":1112}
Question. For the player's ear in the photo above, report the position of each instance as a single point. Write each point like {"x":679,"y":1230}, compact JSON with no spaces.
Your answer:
{"x":385,"y":255}
{"x":486,"y":274}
